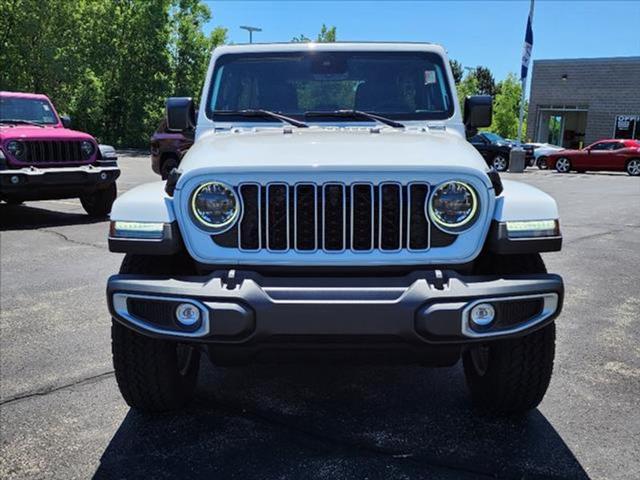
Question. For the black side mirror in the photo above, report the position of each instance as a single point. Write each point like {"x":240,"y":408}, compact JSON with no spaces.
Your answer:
{"x":180,"y":113}
{"x":477,"y":113}
{"x":66,"y":121}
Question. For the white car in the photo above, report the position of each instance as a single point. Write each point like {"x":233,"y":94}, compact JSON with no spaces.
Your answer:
{"x":331,"y":208}
{"x":542,"y":151}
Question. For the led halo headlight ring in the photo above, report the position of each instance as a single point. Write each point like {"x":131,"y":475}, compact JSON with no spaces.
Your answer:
{"x":228,"y":217}
{"x":456,"y":226}
{"x":87,"y":148}
{"x":17,"y":149}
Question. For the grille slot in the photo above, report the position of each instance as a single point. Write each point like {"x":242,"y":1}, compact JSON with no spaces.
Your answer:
{"x":333,"y":217}
{"x":53,"y":151}
{"x":278,"y":216}
{"x":306,"y":217}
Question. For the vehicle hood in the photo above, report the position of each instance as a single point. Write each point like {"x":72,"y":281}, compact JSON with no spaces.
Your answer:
{"x":28,"y":132}
{"x":338,"y":148}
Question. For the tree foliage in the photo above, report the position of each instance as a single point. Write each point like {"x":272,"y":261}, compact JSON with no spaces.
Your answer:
{"x":327,"y":34}
{"x":110,"y":64}
{"x":457,"y":69}
{"x":506,"y":107}
{"x":486,"y":83}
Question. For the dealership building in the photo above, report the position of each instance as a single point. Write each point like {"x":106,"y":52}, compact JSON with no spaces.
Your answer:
{"x":575,"y":102}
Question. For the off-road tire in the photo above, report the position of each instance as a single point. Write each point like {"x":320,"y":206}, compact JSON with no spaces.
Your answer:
{"x":153,"y":375}
{"x":516,"y":371}
{"x":98,"y":204}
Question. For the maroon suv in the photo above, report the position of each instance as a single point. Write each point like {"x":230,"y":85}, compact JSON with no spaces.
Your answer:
{"x":168,"y":148}
{"x":42,"y":159}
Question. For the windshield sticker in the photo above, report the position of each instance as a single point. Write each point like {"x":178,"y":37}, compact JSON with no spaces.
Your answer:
{"x":45,"y":108}
{"x":429,"y":77}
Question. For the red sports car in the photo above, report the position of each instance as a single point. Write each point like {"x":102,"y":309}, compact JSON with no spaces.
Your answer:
{"x":613,"y":155}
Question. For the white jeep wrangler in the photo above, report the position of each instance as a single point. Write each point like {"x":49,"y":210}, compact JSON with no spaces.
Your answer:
{"x":332,"y":209}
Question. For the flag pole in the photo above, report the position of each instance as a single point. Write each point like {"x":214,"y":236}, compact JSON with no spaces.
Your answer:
{"x":526,"y":57}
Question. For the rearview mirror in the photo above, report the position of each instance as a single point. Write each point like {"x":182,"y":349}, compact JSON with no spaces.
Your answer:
{"x":66,"y":121}
{"x":477,"y":113}
{"x":180,"y":114}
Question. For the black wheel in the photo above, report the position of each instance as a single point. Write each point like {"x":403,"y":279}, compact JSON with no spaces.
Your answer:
{"x":500,"y":163}
{"x":542,"y":163}
{"x":153,"y":375}
{"x":511,"y":376}
{"x":563,"y":165}
{"x":633,"y":167}
{"x":99,"y":203}
{"x":168,"y":163}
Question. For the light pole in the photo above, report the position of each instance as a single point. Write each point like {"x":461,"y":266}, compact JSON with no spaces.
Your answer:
{"x":250,"y":30}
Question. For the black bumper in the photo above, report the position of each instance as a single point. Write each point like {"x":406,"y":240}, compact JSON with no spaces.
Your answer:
{"x":247,"y":312}
{"x":51,"y":183}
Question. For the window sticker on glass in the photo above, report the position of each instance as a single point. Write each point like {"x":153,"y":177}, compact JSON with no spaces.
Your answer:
{"x":429,"y":77}
{"x":45,"y":107}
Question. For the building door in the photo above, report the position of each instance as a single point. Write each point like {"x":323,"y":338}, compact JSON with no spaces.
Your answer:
{"x":556,"y":129}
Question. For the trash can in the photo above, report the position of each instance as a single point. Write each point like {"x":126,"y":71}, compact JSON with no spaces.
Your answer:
{"x":517,"y":160}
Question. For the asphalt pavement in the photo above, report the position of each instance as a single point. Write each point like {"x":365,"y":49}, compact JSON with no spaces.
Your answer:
{"x":61,"y":415}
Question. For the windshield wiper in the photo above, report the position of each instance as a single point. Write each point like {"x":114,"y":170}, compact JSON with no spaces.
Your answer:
{"x":17,"y":120}
{"x":356,"y":114}
{"x":262,"y":113}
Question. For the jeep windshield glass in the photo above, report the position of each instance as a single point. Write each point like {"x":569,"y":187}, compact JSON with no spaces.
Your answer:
{"x":394,"y":85}
{"x":355,"y":114}
{"x":26,"y":111}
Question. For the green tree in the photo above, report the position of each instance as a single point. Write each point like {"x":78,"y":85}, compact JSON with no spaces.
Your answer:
{"x":486,"y":83}
{"x":327,"y":34}
{"x":506,"y":107}
{"x":458,"y":70}
{"x":190,"y":47}
{"x":468,"y":86}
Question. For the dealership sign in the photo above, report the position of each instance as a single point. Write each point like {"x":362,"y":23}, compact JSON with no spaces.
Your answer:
{"x":627,"y":126}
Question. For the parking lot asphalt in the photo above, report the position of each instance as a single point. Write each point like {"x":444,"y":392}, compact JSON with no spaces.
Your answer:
{"x":61,"y":415}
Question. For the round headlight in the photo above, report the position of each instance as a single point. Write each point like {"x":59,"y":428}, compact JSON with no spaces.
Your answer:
{"x":453,"y":206}
{"x":16,"y":148}
{"x":215,"y":205}
{"x":87,"y":148}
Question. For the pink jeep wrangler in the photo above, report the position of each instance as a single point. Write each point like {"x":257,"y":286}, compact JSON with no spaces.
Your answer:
{"x":42,"y":159}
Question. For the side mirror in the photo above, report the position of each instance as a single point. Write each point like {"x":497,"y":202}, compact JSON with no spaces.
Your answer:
{"x":180,"y":113}
{"x":66,"y":121}
{"x":477,"y":113}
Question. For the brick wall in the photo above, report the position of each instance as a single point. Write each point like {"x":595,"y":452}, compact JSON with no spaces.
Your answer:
{"x":606,"y":86}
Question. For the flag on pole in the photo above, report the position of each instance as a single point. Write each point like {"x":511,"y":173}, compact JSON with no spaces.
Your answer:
{"x":528,"y":46}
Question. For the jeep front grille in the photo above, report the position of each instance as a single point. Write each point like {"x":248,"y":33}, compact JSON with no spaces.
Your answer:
{"x":333,"y":217}
{"x":53,"y":151}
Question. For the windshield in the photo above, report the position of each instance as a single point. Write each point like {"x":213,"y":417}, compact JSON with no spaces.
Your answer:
{"x":493,"y":137}
{"x":398,"y":85}
{"x":27,"y":109}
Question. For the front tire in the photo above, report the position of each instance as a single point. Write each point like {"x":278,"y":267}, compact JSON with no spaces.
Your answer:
{"x":152,"y":375}
{"x":500,"y":163}
{"x":563,"y":165}
{"x":633,"y":167}
{"x":511,"y":376}
{"x":98,"y":204}
{"x":542,"y":163}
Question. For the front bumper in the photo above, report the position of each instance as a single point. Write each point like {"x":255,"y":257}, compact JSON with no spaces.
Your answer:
{"x":32,"y":183}
{"x":246,"y":309}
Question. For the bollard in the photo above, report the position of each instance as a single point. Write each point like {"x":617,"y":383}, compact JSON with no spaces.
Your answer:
{"x":517,"y":160}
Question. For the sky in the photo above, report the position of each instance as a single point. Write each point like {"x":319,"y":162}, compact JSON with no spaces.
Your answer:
{"x":488,"y":33}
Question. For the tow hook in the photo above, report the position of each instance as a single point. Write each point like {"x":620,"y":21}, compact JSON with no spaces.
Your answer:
{"x":438,"y":281}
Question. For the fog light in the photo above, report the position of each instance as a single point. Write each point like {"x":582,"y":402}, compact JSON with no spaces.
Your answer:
{"x":483,"y":314}
{"x":15,"y":179}
{"x":187,"y":314}
{"x":103,"y":176}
